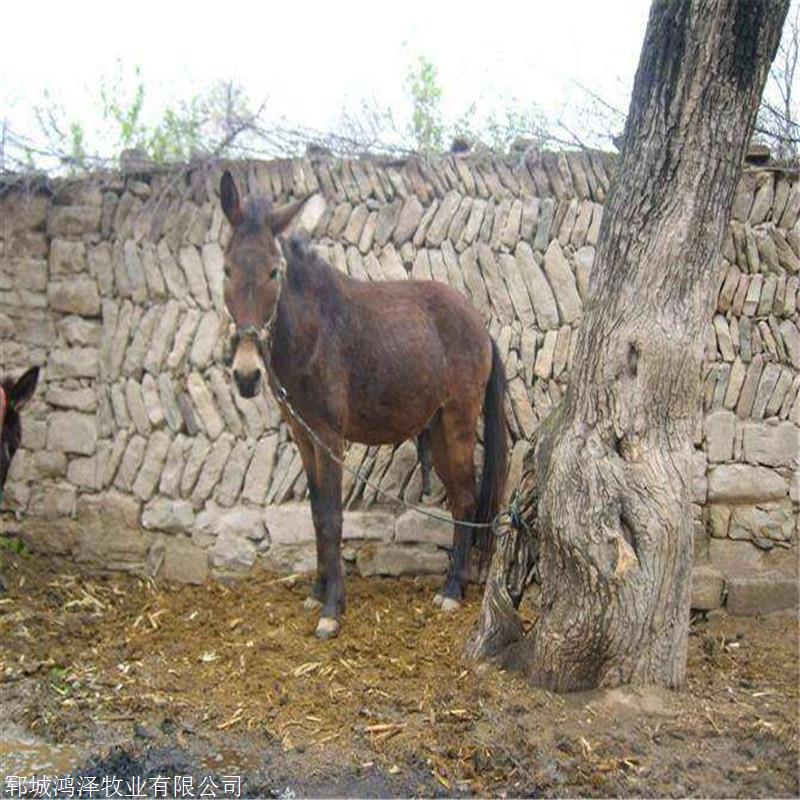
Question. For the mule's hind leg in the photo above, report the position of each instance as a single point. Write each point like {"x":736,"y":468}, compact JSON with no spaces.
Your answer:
{"x":452,"y":448}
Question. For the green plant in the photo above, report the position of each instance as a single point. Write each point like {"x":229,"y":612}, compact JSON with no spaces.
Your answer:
{"x":423,"y":85}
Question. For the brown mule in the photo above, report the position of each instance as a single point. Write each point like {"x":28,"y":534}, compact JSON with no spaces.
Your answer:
{"x":375,"y":363}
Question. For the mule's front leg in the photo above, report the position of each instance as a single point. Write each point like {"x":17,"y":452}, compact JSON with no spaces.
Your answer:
{"x":326,"y":508}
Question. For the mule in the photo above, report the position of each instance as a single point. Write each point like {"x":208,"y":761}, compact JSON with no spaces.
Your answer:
{"x":13,"y":396}
{"x":370,"y":362}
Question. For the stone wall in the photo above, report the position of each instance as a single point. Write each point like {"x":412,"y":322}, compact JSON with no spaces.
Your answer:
{"x":138,"y":455}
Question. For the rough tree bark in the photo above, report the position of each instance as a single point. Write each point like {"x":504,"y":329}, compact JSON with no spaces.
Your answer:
{"x":606,"y":487}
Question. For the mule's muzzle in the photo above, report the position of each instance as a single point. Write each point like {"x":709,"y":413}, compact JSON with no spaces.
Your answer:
{"x":248,"y":383}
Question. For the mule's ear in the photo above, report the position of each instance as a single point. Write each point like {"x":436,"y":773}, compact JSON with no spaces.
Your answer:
{"x":229,"y":195}
{"x":22,"y":390}
{"x":280,"y":218}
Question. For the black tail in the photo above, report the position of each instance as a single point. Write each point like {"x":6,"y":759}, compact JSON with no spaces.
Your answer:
{"x":495,"y":455}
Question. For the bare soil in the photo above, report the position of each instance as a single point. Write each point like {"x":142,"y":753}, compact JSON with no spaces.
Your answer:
{"x":118,"y":675}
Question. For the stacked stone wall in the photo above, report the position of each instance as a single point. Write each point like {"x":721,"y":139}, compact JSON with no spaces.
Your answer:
{"x":138,"y":455}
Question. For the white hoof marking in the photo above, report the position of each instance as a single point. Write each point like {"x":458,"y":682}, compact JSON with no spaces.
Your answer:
{"x":327,"y":628}
{"x":437,"y":600}
{"x":448,"y":605}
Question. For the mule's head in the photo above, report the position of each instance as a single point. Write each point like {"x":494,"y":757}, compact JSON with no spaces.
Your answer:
{"x":13,"y":396}
{"x":254,"y":268}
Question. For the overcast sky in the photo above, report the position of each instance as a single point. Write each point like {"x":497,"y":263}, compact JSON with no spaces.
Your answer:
{"x":309,"y":59}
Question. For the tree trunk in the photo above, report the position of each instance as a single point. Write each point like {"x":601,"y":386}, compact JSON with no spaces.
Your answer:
{"x":607,"y":490}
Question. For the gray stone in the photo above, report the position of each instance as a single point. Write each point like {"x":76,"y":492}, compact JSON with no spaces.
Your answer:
{"x":411,"y":527}
{"x":222,"y":396}
{"x":562,"y":282}
{"x":213,"y":266}
{"x":163,"y":337}
{"x":378,"y":558}
{"x":707,"y":588}
{"x":206,"y":338}
{"x":720,"y":427}
{"x":154,"y":281}
{"x":168,"y":514}
{"x":152,"y":402}
{"x":142,"y":340}
{"x":76,"y":295}
{"x":150,"y":473}
{"x":184,"y":562}
{"x":66,"y":257}
{"x":134,"y":401}
{"x":259,"y":474}
{"x":234,"y":472}
{"x":791,"y":341}
{"x":83,"y":472}
{"x":776,"y":445}
{"x":129,"y":272}
{"x":241,"y":522}
{"x":734,"y":557}
{"x":719,"y":518}
{"x":194,"y":463}
{"x":747,"y":395}
{"x":542,"y":298}
{"x":47,"y":464}
{"x":173,"y":466}
{"x":79,"y":331}
{"x":78,"y":399}
{"x":289,"y":523}
{"x":73,"y":362}
{"x":761,"y":594}
{"x":212,"y":468}
{"x":183,"y":339}
{"x":72,"y":432}
{"x":232,"y":555}
{"x":73,"y":220}
{"x":774,"y":522}
{"x":408,"y":221}
{"x":441,"y":222}
{"x":204,"y":405}
{"x":741,"y":483}
{"x":131,"y":461}
{"x":169,"y":402}
{"x":52,"y":500}
{"x":173,"y":274}
{"x":192,"y":266}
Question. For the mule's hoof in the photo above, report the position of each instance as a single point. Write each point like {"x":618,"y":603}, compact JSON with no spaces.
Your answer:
{"x":437,"y":600}
{"x":327,"y":628}
{"x":449,"y":605}
{"x":311,"y":603}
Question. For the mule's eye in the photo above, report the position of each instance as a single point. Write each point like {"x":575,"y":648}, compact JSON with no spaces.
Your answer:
{"x":273,"y":273}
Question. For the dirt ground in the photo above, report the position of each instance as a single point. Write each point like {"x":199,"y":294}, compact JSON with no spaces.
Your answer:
{"x":118,"y":675}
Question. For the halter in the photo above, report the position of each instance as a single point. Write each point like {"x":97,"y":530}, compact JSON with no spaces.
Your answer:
{"x":263,"y":337}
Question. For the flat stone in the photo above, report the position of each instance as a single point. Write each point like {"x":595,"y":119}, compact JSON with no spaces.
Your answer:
{"x":150,"y":472}
{"x":776,"y":445}
{"x":66,"y":257}
{"x":134,"y":400}
{"x":741,"y":483}
{"x":78,"y":295}
{"x":240,"y":521}
{"x":72,"y":432}
{"x":749,"y":595}
{"x":212,"y":468}
{"x":539,"y":291}
{"x":707,"y":588}
{"x":232,"y":555}
{"x":184,"y":562}
{"x":412,"y":527}
{"x":168,"y":514}
{"x":774,"y":522}
{"x":378,"y":558}
{"x":234,"y":472}
{"x":259,"y":473}
{"x":205,"y":339}
{"x":52,"y":500}
{"x":410,"y":217}
{"x":720,"y":427}
{"x":73,"y":220}
{"x":192,"y":265}
{"x":734,"y":557}
{"x":204,"y":405}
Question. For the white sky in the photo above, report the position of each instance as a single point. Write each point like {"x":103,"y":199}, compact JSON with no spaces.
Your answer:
{"x":311,"y":58}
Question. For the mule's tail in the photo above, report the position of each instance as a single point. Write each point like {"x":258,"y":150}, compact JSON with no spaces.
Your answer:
{"x":495,"y":456}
